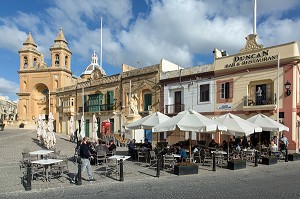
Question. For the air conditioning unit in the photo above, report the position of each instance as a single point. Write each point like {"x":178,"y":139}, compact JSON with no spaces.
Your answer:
{"x":150,"y":108}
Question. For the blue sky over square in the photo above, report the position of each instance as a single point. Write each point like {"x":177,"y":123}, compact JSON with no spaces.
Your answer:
{"x":139,"y":32}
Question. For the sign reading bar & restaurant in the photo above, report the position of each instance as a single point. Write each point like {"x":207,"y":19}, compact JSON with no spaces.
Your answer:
{"x":259,"y":57}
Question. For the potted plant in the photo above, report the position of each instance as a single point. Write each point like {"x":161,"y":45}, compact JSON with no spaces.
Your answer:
{"x":269,"y":159}
{"x":236,"y":164}
{"x":185,"y":168}
{"x":293,"y":156}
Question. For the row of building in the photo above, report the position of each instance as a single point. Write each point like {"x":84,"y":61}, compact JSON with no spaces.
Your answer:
{"x":255,"y":80}
{"x":8,"y":110}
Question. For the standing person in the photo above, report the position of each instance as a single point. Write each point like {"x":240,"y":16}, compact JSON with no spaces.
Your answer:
{"x":76,"y":136}
{"x":285,"y":140}
{"x":85,"y":155}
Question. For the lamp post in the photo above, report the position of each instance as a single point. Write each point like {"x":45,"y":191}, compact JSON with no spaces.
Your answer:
{"x":287,"y":86}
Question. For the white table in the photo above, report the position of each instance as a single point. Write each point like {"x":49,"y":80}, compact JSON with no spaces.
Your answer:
{"x":46,"y":163}
{"x":176,"y":155}
{"x":220,"y":152}
{"x":40,"y":152}
{"x":119,"y":157}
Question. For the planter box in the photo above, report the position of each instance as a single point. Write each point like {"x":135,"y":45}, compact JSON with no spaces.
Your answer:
{"x":293,"y":157}
{"x":269,"y":161}
{"x":185,"y":170}
{"x":236,"y":165}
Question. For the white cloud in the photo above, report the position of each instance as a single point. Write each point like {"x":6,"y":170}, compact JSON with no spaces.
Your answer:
{"x":176,"y":30}
{"x":8,"y":88}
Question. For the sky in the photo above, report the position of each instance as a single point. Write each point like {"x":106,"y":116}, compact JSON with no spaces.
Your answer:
{"x":139,"y":33}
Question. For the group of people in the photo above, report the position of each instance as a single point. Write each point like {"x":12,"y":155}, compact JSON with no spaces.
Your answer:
{"x":87,"y":151}
{"x":132,"y":147}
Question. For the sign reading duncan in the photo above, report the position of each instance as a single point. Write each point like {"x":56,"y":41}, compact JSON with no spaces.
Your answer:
{"x":259,"y":57}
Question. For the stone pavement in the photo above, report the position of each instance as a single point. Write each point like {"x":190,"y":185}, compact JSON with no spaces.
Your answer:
{"x":13,"y":141}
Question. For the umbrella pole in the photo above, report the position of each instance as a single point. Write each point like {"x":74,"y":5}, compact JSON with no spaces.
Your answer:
{"x":190,"y":151}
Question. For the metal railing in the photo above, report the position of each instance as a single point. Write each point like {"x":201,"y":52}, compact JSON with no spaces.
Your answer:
{"x":97,"y":108}
{"x":259,"y":101}
{"x":174,"y":108}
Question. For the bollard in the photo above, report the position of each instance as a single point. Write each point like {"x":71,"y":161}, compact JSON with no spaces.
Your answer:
{"x":214,"y":162}
{"x":255,"y":158}
{"x":286,"y":154}
{"x":79,"y":181}
{"x":121,"y":171}
{"x":28,"y":181}
{"x":158,"y":167}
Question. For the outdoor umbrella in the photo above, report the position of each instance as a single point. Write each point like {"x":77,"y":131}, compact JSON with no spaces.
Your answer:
{"x":82,"y":127}
{"x":71,"y":125}
{"x":148,"y":122}
{"x":237,"y":126}
{"x":189,"y":120}
{"x":95,"y":128}
{"x":267,"y":123}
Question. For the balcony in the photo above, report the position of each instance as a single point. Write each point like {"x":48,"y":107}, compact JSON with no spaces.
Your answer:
{"x":68,"y":109}
{"x":262,"y":104}
{"x":97,"y":108}
{"x":173,"y":109}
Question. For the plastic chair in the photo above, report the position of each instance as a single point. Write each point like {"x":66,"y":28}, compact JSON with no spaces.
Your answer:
{"x":169,"y":161}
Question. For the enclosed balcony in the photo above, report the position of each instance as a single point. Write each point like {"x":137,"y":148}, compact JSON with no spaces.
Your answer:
{"x":97,"y":108}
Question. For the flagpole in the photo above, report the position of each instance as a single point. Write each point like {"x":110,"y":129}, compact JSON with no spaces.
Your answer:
{"x":254,"y":18}
{"x":277,"y":96}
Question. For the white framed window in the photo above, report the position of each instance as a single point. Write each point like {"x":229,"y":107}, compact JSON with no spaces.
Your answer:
{"x":204,"y":93}
{"x":225,"y":90}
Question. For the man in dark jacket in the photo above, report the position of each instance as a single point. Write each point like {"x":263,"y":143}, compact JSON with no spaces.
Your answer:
{"x":85,"y":155}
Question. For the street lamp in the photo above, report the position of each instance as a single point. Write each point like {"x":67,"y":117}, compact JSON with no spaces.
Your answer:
{"x":287,"y":86}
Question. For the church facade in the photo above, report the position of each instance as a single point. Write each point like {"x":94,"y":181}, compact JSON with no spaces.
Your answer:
{"x":38,"y":82}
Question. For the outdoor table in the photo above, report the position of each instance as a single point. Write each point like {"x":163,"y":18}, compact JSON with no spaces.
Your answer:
{"x":219,"y":152}
{"x":46,"y":163}
{"x":40,"y":153}
{"x":119,"y":157}
{"x":176,"y":155}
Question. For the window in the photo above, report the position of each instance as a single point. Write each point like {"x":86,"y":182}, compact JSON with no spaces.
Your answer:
{"x":66,"y":61}
{"x":25,"y":62}
{"x":34,"y":62}
{"x":147,"y":101}
{"x":56,"y":59}
{"x":204,"y":93}
{"x":225,"y":90}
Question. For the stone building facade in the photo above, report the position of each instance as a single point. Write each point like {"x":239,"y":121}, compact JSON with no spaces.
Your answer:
{"x":38,"y":82}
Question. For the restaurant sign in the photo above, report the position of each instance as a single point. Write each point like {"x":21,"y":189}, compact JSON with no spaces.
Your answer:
{"x":258,"y":57}
{"x":224,"y":106}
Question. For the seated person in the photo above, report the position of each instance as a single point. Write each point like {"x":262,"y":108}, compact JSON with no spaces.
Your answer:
{"x":213,"y":143}
{"x":183,"y":154}
{"x":282,"y":146}
{"x":131,"y":147}
{"x":147,"y":145}
{"x":111,"y":146}
{"x":224,"y":145}
{"x":273,"y":147}
{"x":101,"y":149}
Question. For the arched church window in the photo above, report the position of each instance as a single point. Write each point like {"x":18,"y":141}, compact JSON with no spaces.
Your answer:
{"x":66,"y":61}
{"x":34,"y":62}
{"x":56,"y":60}
{"x":25,"y":62}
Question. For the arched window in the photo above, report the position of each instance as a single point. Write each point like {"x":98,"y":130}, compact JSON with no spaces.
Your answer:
{"x":25,"y":62}
{"x":56,"y":60}
{"x":34,"y":62}
{"x":66,"y":61}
